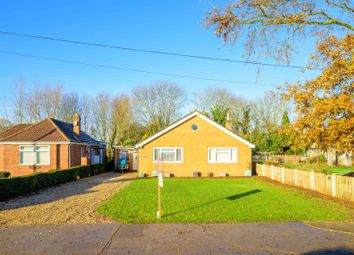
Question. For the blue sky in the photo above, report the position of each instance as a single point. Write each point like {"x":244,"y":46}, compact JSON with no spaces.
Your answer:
{"x":157,"y":25}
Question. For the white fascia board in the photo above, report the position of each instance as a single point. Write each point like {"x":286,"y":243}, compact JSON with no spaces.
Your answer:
{"x":196,"y":113}
{"x":27,"y":142}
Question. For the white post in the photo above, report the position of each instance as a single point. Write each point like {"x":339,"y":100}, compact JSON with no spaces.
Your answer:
{"x":295,"y":179}
{"x":263,"y":169}
{"x":334,"y":183}
{"x":312,"y":180}
{"x":272,"y":172}
{"x":282,"y":175}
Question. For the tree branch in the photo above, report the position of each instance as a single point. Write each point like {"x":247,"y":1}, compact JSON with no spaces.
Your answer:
{"x":343,"y":6}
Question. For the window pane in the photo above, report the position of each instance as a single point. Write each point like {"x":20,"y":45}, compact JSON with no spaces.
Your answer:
{"x":179,"y":155}
{"x":27,"y":158}
{"x":26,"y":148}
{"x":42,"y":148}
{"x":168,"y":155}
{"x":223,"y":155}
{"x":233,"y":155}
{"x":212,"y":155}
{"x":43,"y":158}
{"x":156,"y":154}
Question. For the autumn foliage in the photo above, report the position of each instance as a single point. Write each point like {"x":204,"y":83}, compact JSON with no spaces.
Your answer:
{"x":325,"y":106}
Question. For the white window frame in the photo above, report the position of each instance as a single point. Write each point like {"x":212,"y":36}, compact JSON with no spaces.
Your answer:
{"x":235,"y":160}
{"x":168,"y":162}
{"x":34,"y":150}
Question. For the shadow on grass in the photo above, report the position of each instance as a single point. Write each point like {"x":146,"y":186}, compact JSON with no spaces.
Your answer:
{"x":233,"y":197}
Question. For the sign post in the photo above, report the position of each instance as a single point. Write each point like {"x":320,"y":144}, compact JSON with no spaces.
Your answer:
{"x":159,"y":186}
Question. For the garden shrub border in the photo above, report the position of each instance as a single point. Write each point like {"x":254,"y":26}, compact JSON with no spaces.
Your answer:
{"x":21,"y":185}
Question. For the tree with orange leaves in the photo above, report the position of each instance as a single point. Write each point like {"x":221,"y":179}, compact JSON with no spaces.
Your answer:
{"x":324,"y":106}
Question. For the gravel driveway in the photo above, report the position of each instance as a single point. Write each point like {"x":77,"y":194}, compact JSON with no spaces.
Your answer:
{"x":72,"y":203}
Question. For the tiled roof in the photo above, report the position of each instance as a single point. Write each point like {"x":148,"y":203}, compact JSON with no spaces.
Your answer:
{"x":49,"y":130}
{"x":13,"y":130}
{"x":43,"y":131}
{"x":68,"y":131}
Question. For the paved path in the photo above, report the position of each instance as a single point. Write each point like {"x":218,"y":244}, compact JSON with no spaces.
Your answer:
{"x":73,"y":202}
{"x":242,"y":238}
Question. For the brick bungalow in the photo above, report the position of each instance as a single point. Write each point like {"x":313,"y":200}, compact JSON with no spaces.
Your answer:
{"x":193,"y":145}
{"x":47,"y":145}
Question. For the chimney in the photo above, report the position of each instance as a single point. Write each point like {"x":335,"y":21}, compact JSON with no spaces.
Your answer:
{"x":76,"y":123}
{"x":228,"y":124}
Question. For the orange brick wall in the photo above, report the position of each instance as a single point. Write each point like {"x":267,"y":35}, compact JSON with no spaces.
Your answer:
{"x":1,"y":157}
{"x":9,"y":159}
{"x":78,"y":159}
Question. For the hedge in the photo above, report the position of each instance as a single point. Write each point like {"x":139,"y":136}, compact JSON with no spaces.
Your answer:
{"x":21,"y":185}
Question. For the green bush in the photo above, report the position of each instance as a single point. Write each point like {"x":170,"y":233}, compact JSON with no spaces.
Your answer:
{"x":4,"y":174}
{"x":21,"y":185}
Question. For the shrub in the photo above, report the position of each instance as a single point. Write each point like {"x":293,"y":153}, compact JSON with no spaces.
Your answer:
{"x":21,"y":185}
{"x":4,"y":174}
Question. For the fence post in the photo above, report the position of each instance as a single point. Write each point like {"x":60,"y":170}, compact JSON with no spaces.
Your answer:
{"x":282,"y":175}
{"x":334,"y":183}
{"x":263,"y":170}
{"x":295,"y":177}
{"x":312,"y":180}
{"x":272,"y":172}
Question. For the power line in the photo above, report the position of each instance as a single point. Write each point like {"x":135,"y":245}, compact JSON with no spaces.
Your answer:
{"x":168,"y":53}
{"x":134,"y":70}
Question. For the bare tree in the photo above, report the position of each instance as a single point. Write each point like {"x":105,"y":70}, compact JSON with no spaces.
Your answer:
{"x":208,"y":99}
{"x":4,"y":124}
{"x":19,"y":102}
{"x":158,"y":105}
{"x":85,"y":112}
{"x":268,"y":112}
{"x":121,"y":120}
{"x":101,"y":114}
{"x":70,"y":103}
{"x":216,"y":102}
{"x":51,"y":100}
{"x":34,"y":105}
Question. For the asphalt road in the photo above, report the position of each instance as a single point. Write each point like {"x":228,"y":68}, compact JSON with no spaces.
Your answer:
{"x":242,"y":238}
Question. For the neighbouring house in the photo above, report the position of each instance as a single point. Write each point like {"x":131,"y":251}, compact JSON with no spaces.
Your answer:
{"x":195,"y":145}
{"x":47,"y":145}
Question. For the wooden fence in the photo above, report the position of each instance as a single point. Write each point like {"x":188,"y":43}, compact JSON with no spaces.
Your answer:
{"x":286,"y":158}
{"x":281,"y":158}
{"x":333,"y":185}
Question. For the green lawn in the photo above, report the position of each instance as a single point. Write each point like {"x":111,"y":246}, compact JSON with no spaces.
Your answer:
{"x":319,"y":167}
{"x":219,"y":200}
